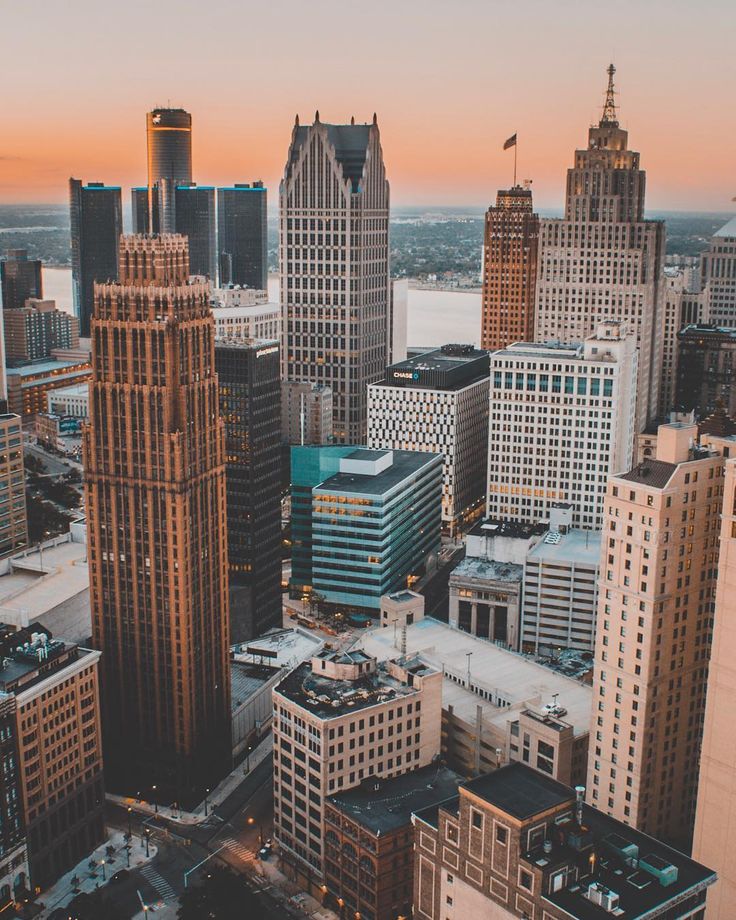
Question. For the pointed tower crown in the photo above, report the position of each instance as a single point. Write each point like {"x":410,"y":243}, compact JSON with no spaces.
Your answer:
{"x":609,"y":107}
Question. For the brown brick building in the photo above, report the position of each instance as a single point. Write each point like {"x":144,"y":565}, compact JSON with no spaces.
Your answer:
{"x":155,"y":482}
{"x":516,"y":843}
{"x":509,"y":269}
{"x":369,"y":841}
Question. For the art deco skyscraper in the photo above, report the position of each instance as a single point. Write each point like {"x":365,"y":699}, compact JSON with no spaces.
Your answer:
{"x":169,"y":144}
{"x":603,"y":260}
{"x":509,"y":269}
{"x":334,"y":202}
{"x":155,"y":484}
{"x":659,"y":561}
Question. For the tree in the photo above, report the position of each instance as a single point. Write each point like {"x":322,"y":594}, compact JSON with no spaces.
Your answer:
{"x":221,"y":895}
{"x":92,"y":906}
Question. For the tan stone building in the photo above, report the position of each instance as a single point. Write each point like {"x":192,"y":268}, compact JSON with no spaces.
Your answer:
{"x":338,"y":719}
{"x":13,"y":521}
{"x":659,"y":559}
{"x":715,"y":833}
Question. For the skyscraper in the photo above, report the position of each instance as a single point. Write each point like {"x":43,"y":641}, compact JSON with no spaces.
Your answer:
{"x":250,"y":404}
{"x":334,"y":265}
{"x":20,"y":278}
{"x":195,"y":219}
{"x":96,"y":224}
{"x":155,"y":484}
{"x":659,"y":561}
{"x":509,"y":269}
{"x":242,"y":235}
{"x":169,"y":145}
{"x":603,"y":260}
{"x":718,"y":276}
{"x":140,"y":206}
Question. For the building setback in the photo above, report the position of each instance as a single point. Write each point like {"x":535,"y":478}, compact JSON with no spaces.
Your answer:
{"x":515,"y":843}
{"x":561,"y":421}
{"x":154,"y":455}
{"x":438,"y":402}
{"x":20,"y":278}
{"x":706,"y":377}
{"x":96,"y":214}
{"x":56,"y":690}
{"x":334,"y":266}
{"x":509,"y":269}
{"x":603,"y":260}
{"x":242,"y":238}
{"x":659,"y":560}
{"x":250,"y":389}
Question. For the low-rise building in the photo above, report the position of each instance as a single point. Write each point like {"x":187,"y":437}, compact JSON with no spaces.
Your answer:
{"x":73,"y":401}
{"x":56,"y":690}
{"x":369,"y":841}
{"x":28,"y":384}
{"x":497,"y":705}
{"x":339,"y":719}
{"x":402,"y":608}
{"x":516,"y":843}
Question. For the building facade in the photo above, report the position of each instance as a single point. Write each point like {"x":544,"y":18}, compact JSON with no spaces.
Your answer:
{"x":20,"y":278}
{"x":306,"y":413}
{"x":33,"y":331}
{"x":603,"y":260}
{"x":56,"y":690}
{"x":706,"y":376}
{"x":96,"y":214}
{"x":509,"y":269}
{"x":13,"y":520}
{"x":718,"y":276}
{"x":515,"y":843}
{"x":250,"y":389}
{"x":340,"y":719}
{"x":14,"y":869}
{"x":257,"y":321}
{"x":242,"y":237}
{"x":29,"y":384}
{"x":72,"y":401}
{"x":438,"y":402}
{"x":154,"y":453}
{"x":659,"y":561}
{"x":682,"y":307}
{"x":195,"y":219}
{"x":334,"y":266}
{"x":561,"y":421}
{"x":169,"y":149}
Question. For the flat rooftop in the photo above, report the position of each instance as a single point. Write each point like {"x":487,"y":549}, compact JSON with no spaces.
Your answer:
{"x":283,"y":648}
{"x":76,"y":389}
{"x":43,"y":367}
{"x":581,"y":546}
{"x":405,"y":464}
{"x":519,"y":791}
{"x":493,"y":527}
{"x":524,"y":683}
{"x":246,"y":679}
{"x":385,"y":805}
{"x":249,"y":310}
{"x":488,"y":570}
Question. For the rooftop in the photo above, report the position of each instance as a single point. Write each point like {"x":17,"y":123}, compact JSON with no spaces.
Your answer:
{"x":519,"y":791}
{"x":727,"y":230}
{"x":706,"y":330}
{"x":385,"y":805}
{"x":76,"y":389}
{"x":29,"y":657}
{"x":450,"y":367}
{"x":654,"y":473}
{"x":247,"y":678}
{"x":43,"y":367}
{"x":404,"y":465}
{"x":521,"y":681}
{"x":281,"y":647}
{"x":583,"y":546}
{"x":245,"y":310}
{"x":491,"y":527}
{"x":488,"y":570}
{"x":329,"y":698}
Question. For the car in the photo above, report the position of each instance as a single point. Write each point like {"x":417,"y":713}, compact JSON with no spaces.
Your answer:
{"x":120,"y":876}
{"x":264,"y":852}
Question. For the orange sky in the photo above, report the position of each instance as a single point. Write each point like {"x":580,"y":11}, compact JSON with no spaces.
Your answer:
{"x":449,"y":81}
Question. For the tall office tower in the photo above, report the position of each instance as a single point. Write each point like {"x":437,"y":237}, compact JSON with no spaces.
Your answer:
{"x":659,"y":561}
{"x":682,"y":307}
{"x":13,"y":520}
{"x":169,"y":145}
{"x":603,"y":260}
{"x":14,"y":879}
{"x":561,"y":422}
{"x":438,"y":402}
{"x":715,"y":834}
{"x":242,"y":235}
{"x":195,"y":219}
{"x":509,"y":269}
{"x":718,"y":276}
{"x":250,"y":404}
{"x":96,"y":225}
{"x":338,"y":720}
{"x":140,"y":208}
{"x":334,"y":203}
{"x":20,"y":278}
{"x":155,"y":485}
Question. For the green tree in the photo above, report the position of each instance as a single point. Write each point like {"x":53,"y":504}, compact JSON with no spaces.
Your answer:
{"x":221,"y":895}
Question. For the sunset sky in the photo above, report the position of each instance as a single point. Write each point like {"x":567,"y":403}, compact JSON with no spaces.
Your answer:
{"x":449,"y":81}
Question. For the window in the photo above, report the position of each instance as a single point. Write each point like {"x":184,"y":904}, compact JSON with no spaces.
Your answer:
{"x":525,"y":879}
{"x":501,"y":834}
{"x":477,"y":819}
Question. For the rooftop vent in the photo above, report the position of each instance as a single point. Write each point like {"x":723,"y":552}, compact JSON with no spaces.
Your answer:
{"x":603,"y":897}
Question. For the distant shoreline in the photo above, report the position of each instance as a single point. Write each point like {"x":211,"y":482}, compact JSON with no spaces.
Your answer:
{"x":444,"y":288}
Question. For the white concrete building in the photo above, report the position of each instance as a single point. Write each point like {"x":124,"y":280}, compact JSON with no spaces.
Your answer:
{"x":73,"y":400}
{"x":718,"y":276}
{"x":237,"y":296}
{"x":562,"y":419}
{"x":256,"y":321}
{"x":438,"y":402}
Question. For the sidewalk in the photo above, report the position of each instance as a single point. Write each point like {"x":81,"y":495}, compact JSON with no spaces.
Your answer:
{"x":218,"y":795}
{"x":291,"y":893}
{"x":62,"y":892}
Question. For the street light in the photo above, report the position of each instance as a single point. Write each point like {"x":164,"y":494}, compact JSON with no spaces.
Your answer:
{"x":252,"y":821}
{"x":130,"y":812}
{"x":102,"y":863}
{"x":206,"y":793}
{"x":155,"y":800}
{"x":148,"y":831}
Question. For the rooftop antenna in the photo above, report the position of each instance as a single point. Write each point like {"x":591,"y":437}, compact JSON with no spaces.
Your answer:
{"x":609,"y":107}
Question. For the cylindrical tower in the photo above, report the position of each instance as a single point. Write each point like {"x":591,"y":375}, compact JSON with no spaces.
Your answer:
{"x":169,"y":144}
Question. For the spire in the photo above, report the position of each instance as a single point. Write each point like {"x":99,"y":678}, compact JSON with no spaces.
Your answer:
{"x":609,"y":108}
{"x":352,"y":119}
{"x":296,"y":120}
{"x":316,"y":116}
{"x":375,"y":119}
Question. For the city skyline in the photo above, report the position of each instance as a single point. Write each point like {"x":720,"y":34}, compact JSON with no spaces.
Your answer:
{"x":442,"y":86}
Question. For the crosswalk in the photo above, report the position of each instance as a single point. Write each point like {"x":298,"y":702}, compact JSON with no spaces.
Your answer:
{"x":159,"y":883}
{"x":235,"y":846}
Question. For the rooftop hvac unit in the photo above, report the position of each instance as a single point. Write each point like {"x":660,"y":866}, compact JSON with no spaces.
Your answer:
{"x":603,"y":897}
